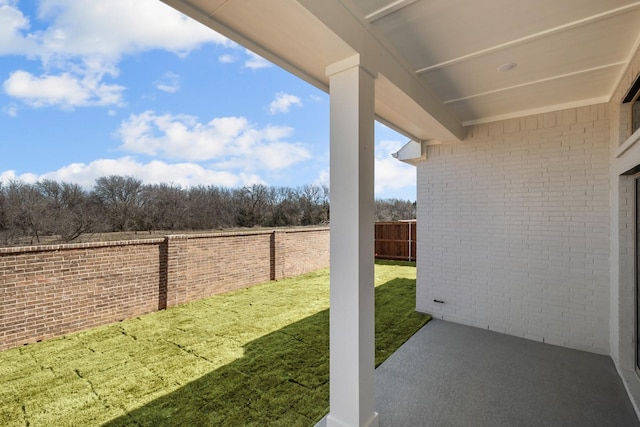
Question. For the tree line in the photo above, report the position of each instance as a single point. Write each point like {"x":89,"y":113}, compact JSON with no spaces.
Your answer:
{"x":124,"y":203}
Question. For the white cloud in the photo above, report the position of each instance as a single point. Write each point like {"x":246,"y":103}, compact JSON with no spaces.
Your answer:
{"x":103,"y":29}
{"x":231,"y":142}
{"x":180,"y":136}
{"x":393,"y":178}
{"x":10,"y":110}
{"x":65,"y":89}
{"x":270,"y":157}
{"x":13,"y":25}
{"x":318,"y":98}
{"x":110,"y":29}
{"x":255,"y":61}
{"x":283,"y":102}
{"x":392,"y":175}
{"x":170,"y":82}
{"x":154,"y":172}
{"x":323,"y":178}
{"x":10,"y":175}
{"x":251,"y":60}
{"x":82,"y":43}
{"x":227,"y":58}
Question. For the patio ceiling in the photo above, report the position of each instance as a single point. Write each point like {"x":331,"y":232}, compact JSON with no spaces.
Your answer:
{"x":438,"y":60}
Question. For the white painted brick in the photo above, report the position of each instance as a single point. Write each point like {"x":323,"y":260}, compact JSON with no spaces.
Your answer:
{"x":514,"y":226}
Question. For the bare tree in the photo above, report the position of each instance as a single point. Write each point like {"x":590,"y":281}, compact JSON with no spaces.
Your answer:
{"x":120,"y":198}
{"x":163,"y":207}
{"x":80,"y":214}
{"x":284,"y":208}
{"x":123,"y":203}
{"x":210,"y":208}
{"x":4,"y":225}
{"x":394,"y":210}
{"x":24,"y":211}
{"x":314,"y":204}
{"x":252,"y":205}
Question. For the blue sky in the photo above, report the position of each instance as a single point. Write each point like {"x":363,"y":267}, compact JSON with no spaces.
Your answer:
{"x":124,"y":87}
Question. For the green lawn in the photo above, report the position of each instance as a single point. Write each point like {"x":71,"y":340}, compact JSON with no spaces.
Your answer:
{"x":255,"y":357}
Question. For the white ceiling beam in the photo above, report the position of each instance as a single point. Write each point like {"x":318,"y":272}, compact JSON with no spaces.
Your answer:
{"x":388,"y":9}
{"x":213,"y":13}
{"x":531,"y":37}
{"x":344,"y":20}
{"x":535,"y":82}
{"x":539,"y":110}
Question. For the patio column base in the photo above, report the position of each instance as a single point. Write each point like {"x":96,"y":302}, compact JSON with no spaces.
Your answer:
{"x":331,"y":422}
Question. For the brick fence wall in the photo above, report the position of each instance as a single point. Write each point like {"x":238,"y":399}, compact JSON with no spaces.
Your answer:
{"x":48,"y":291}
{"x":301,"y":246}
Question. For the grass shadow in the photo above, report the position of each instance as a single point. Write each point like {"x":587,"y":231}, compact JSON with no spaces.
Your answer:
{"x":282,"y":379}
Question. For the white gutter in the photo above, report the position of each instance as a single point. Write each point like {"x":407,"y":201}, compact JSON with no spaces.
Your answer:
{"x":412,"y":152}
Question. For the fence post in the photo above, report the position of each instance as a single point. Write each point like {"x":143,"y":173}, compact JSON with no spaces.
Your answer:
{"x":177,"y":255}
{"x":277,"y":255}
{"x":409,"y":241}
{"x":162,"y":274}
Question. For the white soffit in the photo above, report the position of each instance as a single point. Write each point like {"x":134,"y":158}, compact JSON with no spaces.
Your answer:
{"x":281,"y":31}
{"x":438,"y":60}
{"x":305,"y":37}
{"x":568,"y":53}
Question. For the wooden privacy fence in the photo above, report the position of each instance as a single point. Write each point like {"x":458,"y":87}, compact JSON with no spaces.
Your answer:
{"x":396,"y":240}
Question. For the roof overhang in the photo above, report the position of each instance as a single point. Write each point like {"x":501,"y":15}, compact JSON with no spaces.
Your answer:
{"x":305,"y":37}
{"x":442,"y":65}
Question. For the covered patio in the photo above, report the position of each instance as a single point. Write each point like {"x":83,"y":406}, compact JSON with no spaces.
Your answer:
{"x":454,"y":375}
{"x":524,"y":126}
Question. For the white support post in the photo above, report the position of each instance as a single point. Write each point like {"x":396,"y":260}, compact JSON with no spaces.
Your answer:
{"x":352,"y":323}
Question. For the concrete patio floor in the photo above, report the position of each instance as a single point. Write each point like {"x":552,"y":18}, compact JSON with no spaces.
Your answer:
{"x":454,"y":375}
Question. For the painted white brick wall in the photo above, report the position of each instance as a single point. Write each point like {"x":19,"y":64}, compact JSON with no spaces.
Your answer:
{"x":514,"y":228}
